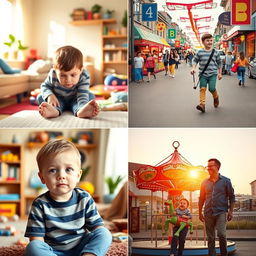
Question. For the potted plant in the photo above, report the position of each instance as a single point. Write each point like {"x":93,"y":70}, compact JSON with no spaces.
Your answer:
{"x":112,"y":185}
{"x":108,"y":14}
{"x":96,"y":11}
{"x":124,"y":24}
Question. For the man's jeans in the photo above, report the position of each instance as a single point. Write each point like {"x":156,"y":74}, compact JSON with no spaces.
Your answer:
{"x":218,"y":223}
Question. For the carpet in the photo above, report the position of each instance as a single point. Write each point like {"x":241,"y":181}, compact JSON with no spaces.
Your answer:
{"x":32,"y":119}
{"x":14,"y":108}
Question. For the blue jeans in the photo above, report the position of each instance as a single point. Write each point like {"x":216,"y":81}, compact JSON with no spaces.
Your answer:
{"x":181,"y":240}
{"x":96,"y":242}
{"x":66,"y":103}
{"x":241,"y":74}
{"x":138,"y":74}
{"x":228,"y":68}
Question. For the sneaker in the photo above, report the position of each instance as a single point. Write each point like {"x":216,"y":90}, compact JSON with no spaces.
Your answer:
{"x":201,"y":107}
{"x":239,"y":82}
{"x":216,"y":102}
{"x":148,"y":81}
{"x":166,"y":74}
{"x":173,"y":76}
{"x":154,"y":76}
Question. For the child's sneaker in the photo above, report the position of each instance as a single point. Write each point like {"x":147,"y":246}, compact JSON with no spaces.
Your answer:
{"x":201,"y":107}
{"x":216,"y":102}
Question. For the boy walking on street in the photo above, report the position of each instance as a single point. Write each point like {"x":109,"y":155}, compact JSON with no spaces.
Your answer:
{"x":209,"y":75}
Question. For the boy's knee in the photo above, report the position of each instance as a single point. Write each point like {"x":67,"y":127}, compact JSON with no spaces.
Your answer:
{"x":103,"y":233}
{"x":35,"y":246}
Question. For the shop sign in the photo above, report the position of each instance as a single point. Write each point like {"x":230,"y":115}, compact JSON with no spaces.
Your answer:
{"x":237,"y":41}
{"x":241,"y":12}
{"x":160,"y":26}
{"x":177,"y":43}
{"x":149,"y":12}
{"x":251,"y":36}
{"x":182,"y":40}
{"x":225,"y":44}
{"x":171,"y":33}
{"x":225,"y":18}
{"x":217,"y":38}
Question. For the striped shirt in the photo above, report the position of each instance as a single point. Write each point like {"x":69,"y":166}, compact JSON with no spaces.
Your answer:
{"x":202,"y":57}
{"x":63,"y":224}
{"x":185,"y":212}
{"x":80,"y":91}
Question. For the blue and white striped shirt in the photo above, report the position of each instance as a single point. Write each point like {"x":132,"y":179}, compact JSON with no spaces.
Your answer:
{"x":202,"y":57}
{"x":80,"y":91}
{"x":63,"y":224}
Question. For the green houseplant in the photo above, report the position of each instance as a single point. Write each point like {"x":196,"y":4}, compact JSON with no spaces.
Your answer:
{"x":112,"y":185}
{"x":96,"y":11}
{"x":124,"y":24}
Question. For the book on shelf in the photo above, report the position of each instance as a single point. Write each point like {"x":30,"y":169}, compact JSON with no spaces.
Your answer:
{"x":9,"y":172}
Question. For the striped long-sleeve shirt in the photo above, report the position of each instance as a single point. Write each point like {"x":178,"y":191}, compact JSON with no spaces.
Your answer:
{"x":51,"y":85}
{"x":63,"y":224}
{"x":202,"y":57}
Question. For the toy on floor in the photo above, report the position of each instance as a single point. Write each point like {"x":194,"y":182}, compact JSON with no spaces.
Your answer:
{"x":8,"y":231}
{"x":115,"y":80}
{"x":176,"y":220}
{"x":34,"y":94}
{"x":4,"y":219}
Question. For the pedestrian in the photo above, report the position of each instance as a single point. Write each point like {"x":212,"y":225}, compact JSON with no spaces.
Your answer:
{"x":190,"y":57}
{"x":228,"y":61}
{"x":150,"y":66}
{"x":165,"y":61}
{"x":138,"y":67}
{"x":207,"y":73}
{"x":177,"y":58}
{"x":172,"y":64}
{"x":217,"y":196}
{"x":242,"y":62}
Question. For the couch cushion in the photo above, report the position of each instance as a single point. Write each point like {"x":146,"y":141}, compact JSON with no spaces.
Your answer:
{"x":13,"y":79}
{"x":40,"y":66}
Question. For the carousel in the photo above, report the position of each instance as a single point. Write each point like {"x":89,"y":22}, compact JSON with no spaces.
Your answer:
{"x":172,"y":176}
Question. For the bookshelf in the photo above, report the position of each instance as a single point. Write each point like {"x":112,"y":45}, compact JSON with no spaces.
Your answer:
{"x":113,"y":46}
{"x":11,"y":179}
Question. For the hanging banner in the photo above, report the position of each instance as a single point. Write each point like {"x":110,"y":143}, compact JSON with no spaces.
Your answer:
{"x":177,"y":43}
{"x":241,"y":12}
{"x":160,"y":26}
{"x":171,"y":33}
{"x":225,"y":44}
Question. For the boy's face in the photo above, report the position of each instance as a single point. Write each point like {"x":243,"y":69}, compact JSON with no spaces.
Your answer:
{"x":208,"y":42}
{"x":183,"y":205}
{"x":69,"y":78}
{"x":60,"y":173}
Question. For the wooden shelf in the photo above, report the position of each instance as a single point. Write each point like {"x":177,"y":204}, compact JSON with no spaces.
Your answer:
{"x":115,"y":49}
{"x":114,"y":36}
{"x":30,"y":197}
{"x":10,"y":201}
{"x":9,"y":182}
{"x":39,"y":145}
{"x":10,"y":162}
{"x":92,"y":22}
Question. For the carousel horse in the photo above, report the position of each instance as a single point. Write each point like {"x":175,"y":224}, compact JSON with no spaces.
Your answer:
{"x":176,"y":221}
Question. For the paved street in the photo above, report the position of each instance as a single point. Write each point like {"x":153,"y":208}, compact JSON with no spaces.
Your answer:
{"x":171,"y":102}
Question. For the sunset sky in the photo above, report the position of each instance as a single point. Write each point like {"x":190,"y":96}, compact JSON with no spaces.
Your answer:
{"x":234,"y":147}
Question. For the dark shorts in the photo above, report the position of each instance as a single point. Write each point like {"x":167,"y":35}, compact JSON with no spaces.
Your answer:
{"x":165,"y":63}
{"x":150,"y":69}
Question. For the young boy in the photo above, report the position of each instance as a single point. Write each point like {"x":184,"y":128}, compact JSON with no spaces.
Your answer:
{"x":181,"y":211}
{"x":210,"y":75}
{"x":67,"y":87}
{"x":64,"y":221}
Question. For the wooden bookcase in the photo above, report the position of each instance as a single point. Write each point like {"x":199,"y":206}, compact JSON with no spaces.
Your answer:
{"x":114,"y":53}
{"x":11,"y":176}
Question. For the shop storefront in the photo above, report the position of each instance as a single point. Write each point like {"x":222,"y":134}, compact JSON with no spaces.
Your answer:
{"x":250,"y":44}
{"x":146,"y":42}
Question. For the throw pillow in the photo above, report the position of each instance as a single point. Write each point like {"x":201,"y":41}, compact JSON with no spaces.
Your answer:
{"x":40,"y":66}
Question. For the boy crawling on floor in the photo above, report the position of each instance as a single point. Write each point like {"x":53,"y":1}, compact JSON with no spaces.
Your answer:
{"x":67,"y":87}
{"x":64,"y":221}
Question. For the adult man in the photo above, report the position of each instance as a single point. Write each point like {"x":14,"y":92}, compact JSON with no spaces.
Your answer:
{"x":218,"y":196}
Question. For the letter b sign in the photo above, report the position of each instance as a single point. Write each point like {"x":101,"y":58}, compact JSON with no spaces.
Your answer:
{"x":241,"y":12}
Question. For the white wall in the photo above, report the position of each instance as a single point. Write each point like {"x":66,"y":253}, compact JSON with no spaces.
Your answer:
{"x":40,"y":14}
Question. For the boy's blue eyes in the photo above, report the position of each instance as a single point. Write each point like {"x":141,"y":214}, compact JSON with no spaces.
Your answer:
{"x":68,"y":170}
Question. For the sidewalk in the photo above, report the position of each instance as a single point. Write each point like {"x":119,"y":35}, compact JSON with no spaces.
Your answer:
{"x":234,"y":235}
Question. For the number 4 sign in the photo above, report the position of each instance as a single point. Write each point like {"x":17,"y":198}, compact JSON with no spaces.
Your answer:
{"x":149,"y":12}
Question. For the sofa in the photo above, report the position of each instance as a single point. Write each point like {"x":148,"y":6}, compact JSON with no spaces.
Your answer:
{"x":28,"y":80}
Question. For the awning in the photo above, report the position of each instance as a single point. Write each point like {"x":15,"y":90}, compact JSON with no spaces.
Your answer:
{"x":145,"y":35}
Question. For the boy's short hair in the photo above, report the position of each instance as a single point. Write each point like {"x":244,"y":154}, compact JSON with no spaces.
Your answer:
{"x":68,"y":57}
{"x":184,"y":199}
{"x":54,"y":147}
{"x":206,"y":36}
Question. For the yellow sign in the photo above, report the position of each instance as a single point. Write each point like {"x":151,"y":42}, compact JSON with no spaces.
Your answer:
{"x":160,"y":26}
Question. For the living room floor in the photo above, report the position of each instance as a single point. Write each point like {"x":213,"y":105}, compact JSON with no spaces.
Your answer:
{"x":5,"y":102}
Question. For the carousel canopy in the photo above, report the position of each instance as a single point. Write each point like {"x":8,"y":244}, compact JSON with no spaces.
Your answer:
{"x":172,"y":173}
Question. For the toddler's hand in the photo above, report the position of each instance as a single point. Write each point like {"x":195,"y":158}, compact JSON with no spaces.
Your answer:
{"x":52,"y":100}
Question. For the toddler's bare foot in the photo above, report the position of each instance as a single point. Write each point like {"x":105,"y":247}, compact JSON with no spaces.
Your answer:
{"x":91,"y":109}
{"x":48,"y":111}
